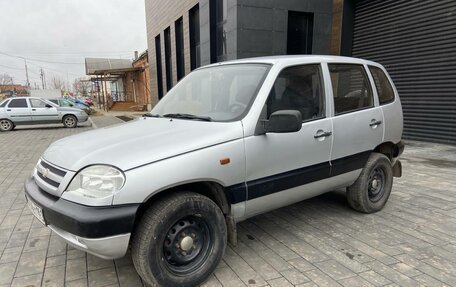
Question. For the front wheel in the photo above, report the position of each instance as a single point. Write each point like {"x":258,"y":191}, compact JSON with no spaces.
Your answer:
{"x":179,"y":241}
{"x":371,"y":190}
{"x":6,"y":125}
{"x":70,"y":121}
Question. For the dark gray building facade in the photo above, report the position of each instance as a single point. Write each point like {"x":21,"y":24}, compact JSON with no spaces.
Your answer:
{"x":414,"y":39}
{"x":183,"y":35}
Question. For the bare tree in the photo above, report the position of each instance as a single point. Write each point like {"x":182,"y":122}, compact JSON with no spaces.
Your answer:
{"x":6,"y":79}
{"x":81,"y":86}
{"x":58,"y":83}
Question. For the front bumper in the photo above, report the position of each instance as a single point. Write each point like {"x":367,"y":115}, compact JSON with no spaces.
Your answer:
{"x":82,"y":117}
{"x":100,"y":230}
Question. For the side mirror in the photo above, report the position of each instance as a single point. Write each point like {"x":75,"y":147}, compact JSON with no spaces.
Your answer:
{"x":48,"y":106}
{"x":284,"y":121}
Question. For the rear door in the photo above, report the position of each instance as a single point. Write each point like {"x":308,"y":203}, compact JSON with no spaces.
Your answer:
{"x":357,"y":120}
{"x":18,"y":110}
{"x":43,"y":112}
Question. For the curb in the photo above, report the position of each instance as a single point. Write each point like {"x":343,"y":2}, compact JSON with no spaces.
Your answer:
{"x":93,"y":124}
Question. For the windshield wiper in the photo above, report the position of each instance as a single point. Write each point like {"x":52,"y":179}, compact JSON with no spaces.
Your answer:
{"x":188,"y":116}
{"x":149,"y":115}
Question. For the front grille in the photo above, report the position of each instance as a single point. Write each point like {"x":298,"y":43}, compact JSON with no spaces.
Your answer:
{"x":49,"y":177}
{"x":50,"y":181}
{"x":53,"y":169}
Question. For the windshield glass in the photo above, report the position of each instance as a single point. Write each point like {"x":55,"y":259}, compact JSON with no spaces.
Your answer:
{"x":219,"y":93}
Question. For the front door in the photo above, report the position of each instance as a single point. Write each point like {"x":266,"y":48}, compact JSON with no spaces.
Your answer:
{"x":19,"y":111}
{"x":357,"y":121}
{"x":43,"y":112}
{"x":283,"y":168}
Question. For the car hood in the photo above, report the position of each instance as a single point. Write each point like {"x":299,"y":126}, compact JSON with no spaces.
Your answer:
{"x":139,"y":142}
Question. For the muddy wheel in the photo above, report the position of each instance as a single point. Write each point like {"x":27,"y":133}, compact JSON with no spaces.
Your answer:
{"x":179,"y":241}
{"x":371,"y":190}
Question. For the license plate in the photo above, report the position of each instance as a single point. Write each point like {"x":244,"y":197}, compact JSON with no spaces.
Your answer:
{"x":36,"y":210}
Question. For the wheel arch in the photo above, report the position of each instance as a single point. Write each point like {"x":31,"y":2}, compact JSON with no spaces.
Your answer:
{"x":211,"y":189}
{"x":390,"y":149}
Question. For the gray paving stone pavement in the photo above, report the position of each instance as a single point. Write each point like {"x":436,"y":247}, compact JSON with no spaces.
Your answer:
{"x":318,"y":242}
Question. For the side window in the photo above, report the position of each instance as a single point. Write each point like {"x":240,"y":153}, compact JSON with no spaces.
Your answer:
{"x":37,"y":103}
{"x":351,"y":88}
{"x":18,"y":103}
{"x":3,"y":104}
{"x":298,"y":88}
{"x":384,"y":89}
{"x":54,"y":101}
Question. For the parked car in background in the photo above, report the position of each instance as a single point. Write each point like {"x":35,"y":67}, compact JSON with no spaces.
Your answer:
{"x":228,"y":142}
{"x":63,"y":102}
{"x":33,"y":111}
{"x":75,"y":100}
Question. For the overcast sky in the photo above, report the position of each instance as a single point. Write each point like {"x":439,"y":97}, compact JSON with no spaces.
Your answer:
{"x":67,"y":31}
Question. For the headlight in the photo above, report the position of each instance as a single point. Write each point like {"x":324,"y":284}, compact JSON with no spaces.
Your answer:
{"x":97,"y":181}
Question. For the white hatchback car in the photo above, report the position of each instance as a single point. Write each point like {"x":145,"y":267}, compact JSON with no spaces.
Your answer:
{"x":229,"y":141}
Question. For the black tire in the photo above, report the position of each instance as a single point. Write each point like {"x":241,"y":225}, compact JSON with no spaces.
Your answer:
{"x":371,"y":190}
{"x":6,"y":125}
{"x":70,"y":121}
{"x":158,"y":250}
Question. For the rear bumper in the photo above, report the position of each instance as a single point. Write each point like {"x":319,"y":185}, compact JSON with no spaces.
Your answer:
{"x":102,"y":230}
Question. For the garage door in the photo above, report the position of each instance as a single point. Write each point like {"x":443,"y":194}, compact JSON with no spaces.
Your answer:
{"x":416,"y":42}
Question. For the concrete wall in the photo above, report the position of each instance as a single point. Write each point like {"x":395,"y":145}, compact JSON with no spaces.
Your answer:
{"x":262,"y":26}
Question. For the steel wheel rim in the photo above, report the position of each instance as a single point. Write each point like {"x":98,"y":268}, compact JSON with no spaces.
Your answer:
{"x":376,"y":184}
{"x":179,"y":256}
{"x":69,"y":121}
{"x":6,"y":125}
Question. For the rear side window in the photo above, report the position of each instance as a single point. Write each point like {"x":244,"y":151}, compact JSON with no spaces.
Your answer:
{"x":298,"y":88}
{"x":351,"y":88}
{"x":3,"y":104}
{"x":18,"y":103}
{"x":384,"y":89}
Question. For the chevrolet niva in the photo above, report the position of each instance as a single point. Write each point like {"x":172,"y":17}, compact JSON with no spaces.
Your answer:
{"x":228,"y":142}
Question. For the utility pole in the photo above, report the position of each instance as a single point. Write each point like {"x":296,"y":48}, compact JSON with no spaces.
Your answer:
{"x":26,"y":73}
{"x":42,"y":78}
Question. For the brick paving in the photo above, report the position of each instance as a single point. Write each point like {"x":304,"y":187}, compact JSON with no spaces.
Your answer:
{"x":318,"y":242}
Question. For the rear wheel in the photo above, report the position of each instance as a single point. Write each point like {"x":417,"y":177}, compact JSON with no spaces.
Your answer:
{"x":70,"y":121}
{"x":179,"y":241}
{"x":371,"y":190}
{"x":6,"y":125}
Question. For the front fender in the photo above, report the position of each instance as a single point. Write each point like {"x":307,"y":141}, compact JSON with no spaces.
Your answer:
{"x":200,"y":165}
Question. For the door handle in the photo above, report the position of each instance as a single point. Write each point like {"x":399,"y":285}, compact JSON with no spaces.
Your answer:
{"x":374,"y":122}
{"x":322,"y":134}
{"x":33,"y":109}
{"x":8,"y":110}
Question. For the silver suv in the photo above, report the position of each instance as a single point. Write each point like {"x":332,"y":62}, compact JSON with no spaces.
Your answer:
{"x":36,"y":111}
{"x":228,"y":142}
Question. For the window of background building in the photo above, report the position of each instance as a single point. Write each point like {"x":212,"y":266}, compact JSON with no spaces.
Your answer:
{"x":351,"y":88}
{"x":384,"y":89}
{"x":300,"y":33}
{"x":218,"y":16}
{"x":179,"y":33}
{"x":158,"y":60}
{"x":169,"y":72}
{"x":195,"y":44}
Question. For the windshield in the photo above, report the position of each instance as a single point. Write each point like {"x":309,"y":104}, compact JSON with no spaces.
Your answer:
{"x":219,"y":93}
